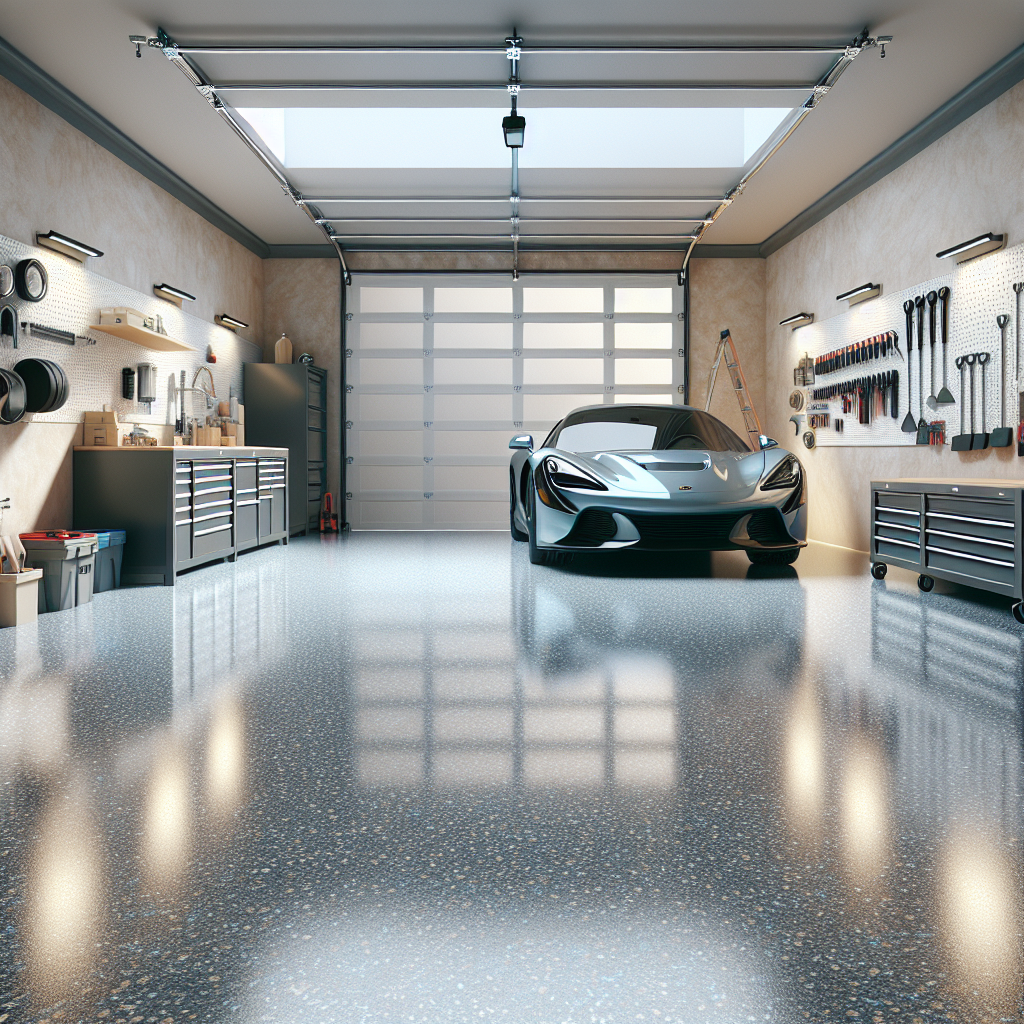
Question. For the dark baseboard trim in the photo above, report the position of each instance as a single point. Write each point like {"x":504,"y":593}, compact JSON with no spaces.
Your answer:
{"x":301,"y":251}
{"x":982,"y":91}
{"x":30,"y":78}
{"x":751,"y":251}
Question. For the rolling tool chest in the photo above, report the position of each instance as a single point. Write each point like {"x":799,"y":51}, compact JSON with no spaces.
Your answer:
{"x":286,"y":406}
{"x":182,"y":507}
{"x":968,"y":532}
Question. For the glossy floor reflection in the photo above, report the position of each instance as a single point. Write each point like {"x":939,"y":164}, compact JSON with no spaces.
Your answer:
{"x":414,"y":778}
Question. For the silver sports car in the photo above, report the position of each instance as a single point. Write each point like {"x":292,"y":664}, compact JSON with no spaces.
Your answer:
{"x":655,"y":477}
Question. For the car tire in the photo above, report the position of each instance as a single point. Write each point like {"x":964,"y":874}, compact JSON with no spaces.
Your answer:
{"x":537,"y":556}
{"x":787,"y":556}
{"x":517,"y":534}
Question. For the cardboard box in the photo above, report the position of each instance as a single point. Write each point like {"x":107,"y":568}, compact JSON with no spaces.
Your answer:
{"x":229,"y":429}
{"x":100,"y":417}
{"x":106,"y":435}
{"x":226,"y":441}
{"x":19,"y":597}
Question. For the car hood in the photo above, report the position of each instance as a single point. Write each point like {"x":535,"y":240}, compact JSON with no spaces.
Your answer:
{"x":678,"y":475}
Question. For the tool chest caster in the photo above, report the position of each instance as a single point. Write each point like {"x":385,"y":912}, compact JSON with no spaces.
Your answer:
{"x":1018,"y":611}
{"x":878,"y":570}
{"x":926,"y":583}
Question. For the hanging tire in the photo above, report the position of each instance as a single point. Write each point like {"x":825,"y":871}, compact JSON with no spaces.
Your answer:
{"x":878,"y":570}
{"x":517,"y":534}
{"x":787,"y":556}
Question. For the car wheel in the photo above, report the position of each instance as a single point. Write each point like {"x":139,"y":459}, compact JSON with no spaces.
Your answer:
{"x":787,"y":556}
{"x":517,"y":534}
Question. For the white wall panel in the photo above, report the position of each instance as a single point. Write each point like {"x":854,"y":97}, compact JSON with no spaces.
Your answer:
{"x":444,"y":370}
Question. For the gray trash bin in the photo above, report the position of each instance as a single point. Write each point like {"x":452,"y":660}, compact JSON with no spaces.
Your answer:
{"x":68,"y":561}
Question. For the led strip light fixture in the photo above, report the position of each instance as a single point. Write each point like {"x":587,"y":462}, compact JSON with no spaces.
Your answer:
{"x":184,"y":57}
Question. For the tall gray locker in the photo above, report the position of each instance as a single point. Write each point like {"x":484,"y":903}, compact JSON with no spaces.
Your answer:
{"x":286,"y":407}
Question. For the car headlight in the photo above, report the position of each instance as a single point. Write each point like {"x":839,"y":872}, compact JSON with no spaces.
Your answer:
{"x":564,"y":474}
{"x":788,"y":473}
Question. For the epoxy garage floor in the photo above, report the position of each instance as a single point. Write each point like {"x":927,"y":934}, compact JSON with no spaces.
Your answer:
{"x":412,"y":778}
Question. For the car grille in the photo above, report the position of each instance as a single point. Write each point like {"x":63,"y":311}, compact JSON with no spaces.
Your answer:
{"x":707,"y":532}
{"x":592,"y":528}
{"x":686,"y":532}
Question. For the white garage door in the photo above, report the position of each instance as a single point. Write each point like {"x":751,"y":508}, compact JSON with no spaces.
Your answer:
{"x":443,"y":371}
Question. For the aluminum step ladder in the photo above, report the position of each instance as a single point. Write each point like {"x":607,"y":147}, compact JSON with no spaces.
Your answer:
{"x":727,"y":348}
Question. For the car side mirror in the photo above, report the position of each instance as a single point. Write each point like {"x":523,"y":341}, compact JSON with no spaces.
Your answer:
{"x":767,"y":442}
{"x":522,"y":441}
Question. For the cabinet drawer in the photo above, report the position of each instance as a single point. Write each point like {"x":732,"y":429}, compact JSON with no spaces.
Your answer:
{"x":210,"y":505}
{"x":991,"y":570}
{"x":970,"y":526}
{"x":896,"y":499}
{"x":314,"y":476}
{"x":317,"y":394}
{"x":981,"y":546}
{"x":247,"y":523}
{"x":209,"y":521}
{"x":317,"y":446}
{"x":906,"y":534}
{"x":908,"y":552}
{"x":245,"y":473}
{"x":220,"y":539}
{"x":977,"y":508}
{"x":182,"y":542}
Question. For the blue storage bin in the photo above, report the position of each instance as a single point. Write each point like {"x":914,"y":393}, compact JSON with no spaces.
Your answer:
{"x":109,"y":553}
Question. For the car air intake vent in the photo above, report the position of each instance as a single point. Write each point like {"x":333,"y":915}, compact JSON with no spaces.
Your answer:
{"x":674,"y":467}
{"x":766,"y":527}
{"x":592,"y":528}
{"x":685,"y":532}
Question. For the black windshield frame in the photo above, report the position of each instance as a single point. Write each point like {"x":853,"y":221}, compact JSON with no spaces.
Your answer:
{"x":673,"y":423}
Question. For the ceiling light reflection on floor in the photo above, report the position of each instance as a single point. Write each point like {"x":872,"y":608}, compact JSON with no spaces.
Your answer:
{"x":225,"y":757}
{"x":804,"y":771}
{"x":982,"y":915}
{"x":865,"y":812}
{"x":168,"y":819}
{"x":64,"y":908}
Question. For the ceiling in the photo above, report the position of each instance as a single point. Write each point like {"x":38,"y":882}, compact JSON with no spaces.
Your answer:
{"x":939,"y":47}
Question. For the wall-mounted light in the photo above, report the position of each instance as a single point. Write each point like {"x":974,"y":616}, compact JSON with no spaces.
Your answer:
{"x":797,"y":320}
{"x":172,"y":294}
{"x":514,"y":127}
{"x":230,"y":322}
{"x":979,"y":246}
{"x":66,"y":246}
{"x":860,"y":294}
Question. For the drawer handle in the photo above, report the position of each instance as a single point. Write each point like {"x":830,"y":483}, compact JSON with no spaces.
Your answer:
{"x":902,"y":543}
{"x":898,"y":526}
{"x":969,"y":519}
{"x":897,"y":511}
{"x":245,"y":490}
{"x":245,"y":464}
{"x":973,"y":558}
{"x":212,"y":515}
{"x":210,"y":529}
{"x":212,"y":490}
{"x":182,"y":522}
{"x":255,"y":501}
{"x":975,"y":540}
{"x":212,"y":504}
{"x":277,"y":487}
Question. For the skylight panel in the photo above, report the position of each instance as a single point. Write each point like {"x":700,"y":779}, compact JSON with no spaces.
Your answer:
{"x":556,"y":137}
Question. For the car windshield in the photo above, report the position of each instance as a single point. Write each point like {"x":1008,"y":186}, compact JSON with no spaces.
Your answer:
{"x":643,"y":428}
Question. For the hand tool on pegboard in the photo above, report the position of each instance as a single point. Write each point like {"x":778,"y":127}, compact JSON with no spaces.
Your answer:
{"x":1001,"y":436}
{"x":909,"y":423}
{"x":962,"y":441}
{"x":922,"y":424}
{"x":945,"y":395}
{"x":931,"y":298}
{"x":980,"y":441}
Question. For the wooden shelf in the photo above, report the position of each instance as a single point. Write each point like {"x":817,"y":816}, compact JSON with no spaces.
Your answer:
{"x":143,"y":337}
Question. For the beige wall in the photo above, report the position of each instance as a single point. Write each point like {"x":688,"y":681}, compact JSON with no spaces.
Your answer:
{"x":968,"y":182}
{"x":55,"y":178}
{"x":302,"y":299}
{"x":728,"y":293}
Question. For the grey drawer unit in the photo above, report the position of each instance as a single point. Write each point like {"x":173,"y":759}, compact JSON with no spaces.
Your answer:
{"x":286,"y":406}
{"x":964,"y":531}
{"x":181,"y":507}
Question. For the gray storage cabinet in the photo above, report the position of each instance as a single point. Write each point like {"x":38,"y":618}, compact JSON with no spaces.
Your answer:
{"x":286,"y":407}
{"x":182,"y":507}
{"x":964,"y":531}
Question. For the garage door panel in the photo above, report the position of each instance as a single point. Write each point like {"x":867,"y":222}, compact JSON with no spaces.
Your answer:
{"x":390,"y":442}
{"x":472,"y":442}
{"x":563,"y":300}
{"x":462,"y":513}
{"x":373,"y":336}
{"x":564,"y":335}
{"x":472,"y":407}
{"x":478,"y":478}
{"x":551,"y":408}
{"x":497,"y":336}
{"x":389,"y":407}
{"x":390,"y":478}
{"x":473,"y":371}
{"x":643,"y":371}
{"x":643,"y":300}
{"x":643,"y":336}
{"x":390,"y":371}
{"x":389,"y":513}
{"x":563,"y":371}
{"x":390,"y":300}
{"x":472,"y":300}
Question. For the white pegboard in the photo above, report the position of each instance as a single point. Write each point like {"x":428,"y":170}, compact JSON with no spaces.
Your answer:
{"x":72,"y":302}
{"x":980,"y":290}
